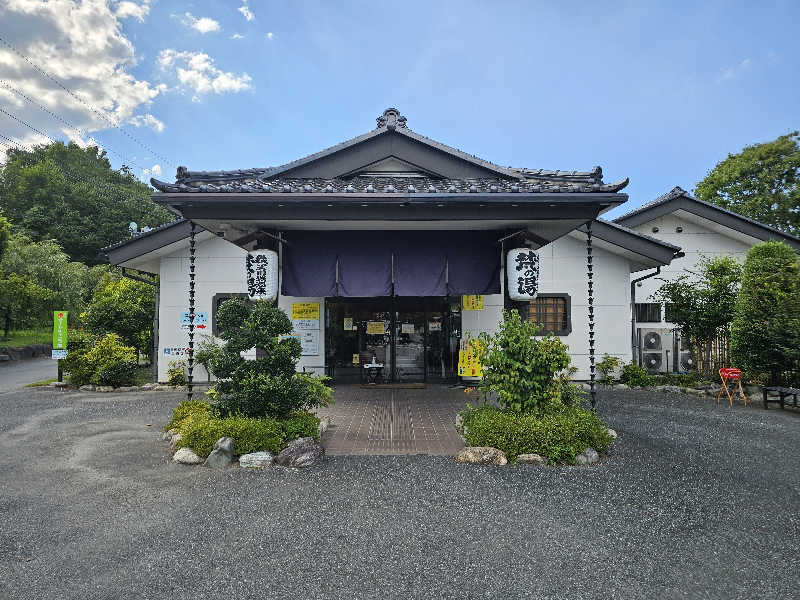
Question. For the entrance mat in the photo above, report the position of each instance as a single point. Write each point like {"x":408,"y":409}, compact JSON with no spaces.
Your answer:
{"x":393,"y":386}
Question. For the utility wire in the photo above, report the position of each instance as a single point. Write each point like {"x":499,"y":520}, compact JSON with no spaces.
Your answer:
{"x":80,"y":131}
{"x":102,"y":115}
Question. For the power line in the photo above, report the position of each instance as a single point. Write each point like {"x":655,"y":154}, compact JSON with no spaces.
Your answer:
{"x":79,"y":130}
{"x":102,"y":115}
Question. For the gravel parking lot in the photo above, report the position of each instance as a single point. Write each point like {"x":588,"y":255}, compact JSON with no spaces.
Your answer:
{"x":698,"y":501}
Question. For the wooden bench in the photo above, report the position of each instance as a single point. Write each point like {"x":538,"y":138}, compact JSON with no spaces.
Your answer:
{"x":783,"y":393}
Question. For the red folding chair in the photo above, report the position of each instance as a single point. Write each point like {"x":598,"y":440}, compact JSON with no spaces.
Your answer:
{"x":727,"y":374}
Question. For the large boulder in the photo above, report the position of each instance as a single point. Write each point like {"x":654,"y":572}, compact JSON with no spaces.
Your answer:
{"x":300,"y":453}
{"x":173,"y":442}
{"x":482,"y":455}
{"x":221,"y":456}
{"x":186,"y":456}
{"x":256,"y":460}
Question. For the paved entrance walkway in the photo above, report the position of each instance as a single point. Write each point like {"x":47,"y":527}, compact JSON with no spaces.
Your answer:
{"x":394,"y":421}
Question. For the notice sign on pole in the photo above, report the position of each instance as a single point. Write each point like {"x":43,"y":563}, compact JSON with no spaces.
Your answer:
{"x":59,"y":334}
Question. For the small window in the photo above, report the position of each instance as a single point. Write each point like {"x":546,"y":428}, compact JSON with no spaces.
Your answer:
{"x":648,"y":312}
{"x":216,"y":302}
{"x":551,"y":311}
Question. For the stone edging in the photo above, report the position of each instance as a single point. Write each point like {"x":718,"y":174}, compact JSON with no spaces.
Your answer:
{"x":147,"y":387}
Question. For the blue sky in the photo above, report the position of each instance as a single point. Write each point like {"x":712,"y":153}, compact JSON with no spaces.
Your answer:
{"x":655,"y":91}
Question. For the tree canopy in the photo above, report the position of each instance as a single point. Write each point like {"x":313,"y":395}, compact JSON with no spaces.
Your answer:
{"x":72,"y":195}
{"x":761,"y":182}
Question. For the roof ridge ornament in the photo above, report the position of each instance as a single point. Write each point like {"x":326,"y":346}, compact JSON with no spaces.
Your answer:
{"x":392,"y":119}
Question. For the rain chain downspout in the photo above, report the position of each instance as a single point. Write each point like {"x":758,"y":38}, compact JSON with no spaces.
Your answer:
{"x":589,"y":275}
{"x":191,"y":311}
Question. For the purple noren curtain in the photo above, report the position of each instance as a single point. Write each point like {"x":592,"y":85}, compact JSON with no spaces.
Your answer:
{"x":473,"y":262}
{"x":420,"y":261}
{"x":365,"y":263}
{"x":309,"y":265}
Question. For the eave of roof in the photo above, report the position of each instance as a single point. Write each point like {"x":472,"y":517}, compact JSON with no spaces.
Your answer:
{"x":629,"y":239}
{"x":679,"y":199}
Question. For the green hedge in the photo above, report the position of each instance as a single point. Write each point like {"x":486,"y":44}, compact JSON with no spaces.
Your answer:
{"x":200,"y":429}
{"x":558,"y":436}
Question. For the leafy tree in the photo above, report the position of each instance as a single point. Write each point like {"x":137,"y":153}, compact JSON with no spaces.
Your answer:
{"x":761,"y":182}
{"x":72,"y":195}
{"x":124,"y":307}
{"x":269,"y":385}
{"x":23,"y":302}
{"x":520,"y":367}
{"x":765,"y":335}
{"x":703,"y":306}
{"x":5,"y":233}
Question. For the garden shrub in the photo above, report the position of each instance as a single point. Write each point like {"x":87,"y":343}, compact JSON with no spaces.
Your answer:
{"x":608,"y":367}
{"x":176,"y":375}
{"x":557,"y":435}
{"x":300,"y":424}
{"x":636,"y":376}
{"x":185,"y":409}
{"x":201,"y":431}
{"x":206,"y":354}
{"x":101,"y":362}
{"x":270,"y":384}
{"x":520,"y":367}
{"x":679,"y":379}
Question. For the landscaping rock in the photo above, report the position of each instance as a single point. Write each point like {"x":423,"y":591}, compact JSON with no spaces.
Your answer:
{"x":149,"y":386}
{"x":482,"y":455}
{"x":256,"y":460}
{"x":186,"y":456}
{"x":87,"y":388}
{"x":587,"y":457}
{"x":167,"y":437}
{"x":173,"y":443}
{"x":695,"y":392}
{"x":612,"y":433}
{"x":58,"y":384}
{"x":221,"y":456}
{"x":671,"y":389}
{"x":104,"y":388}
{"x":532,"y":459}
{"x":621,"y":386}
{"x":128,"y":388}
{"x":324,"y":423}
{"x":303,"y":452}
{"x":4,"y":357}
{"x":585,"y":387}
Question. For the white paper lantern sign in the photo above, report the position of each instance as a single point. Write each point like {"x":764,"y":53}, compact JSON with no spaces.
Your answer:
{"x":262,"y":274}
{"x":522,"y":274}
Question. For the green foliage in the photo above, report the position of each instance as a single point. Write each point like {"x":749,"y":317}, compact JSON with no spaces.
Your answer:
{"x":761,"y":182}
{"x":206,"y":353}
{"x":106,"y":361}
{"x":200,"y":432}
{"x":679,"y":379}
{"x":186,"y":409}
{"x":176,"y":373}
{"x":765,"y":334}
{"x":559,"y":435}
{"x":5,"y":233}
{"x":124,"y":307}
{"x":608,"y":368}
{"x":22,"y":302}
{"x":72,"y":195}
{"x":521,"y":368}
{"x":636,"y":376}
{"x":269,"y":385}
{"x":703,"y":305}
{"x":300,"y":424}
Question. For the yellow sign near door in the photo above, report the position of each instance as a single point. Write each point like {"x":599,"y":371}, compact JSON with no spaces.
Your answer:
{"x":472,"y":302}
{"x":468,"y":363}
{"x":305,"y":310}
{"x":376,"y":328}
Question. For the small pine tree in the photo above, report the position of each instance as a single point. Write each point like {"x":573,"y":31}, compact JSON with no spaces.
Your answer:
{"x":765,"y":333}
{"x":269,"y":385}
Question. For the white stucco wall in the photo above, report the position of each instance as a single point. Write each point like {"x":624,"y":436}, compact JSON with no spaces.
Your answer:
{"x":563,"y":271}
{"x":219,"y":269}
{"x":695,"y":241}
{"x":315,"y":363}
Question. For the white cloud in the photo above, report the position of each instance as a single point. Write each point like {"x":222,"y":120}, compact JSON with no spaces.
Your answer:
{"x":237,"y":36}
{"x":197,"y":71}
{"x":270,"y":35}
{"x":126,"y":8}
{"x":203,"y":24}
{"x":154,"y":170}
{"x":147,"y":120}
{"x":735,"y":71}
{"x":245,"y":10}
{"x":82,"y":45}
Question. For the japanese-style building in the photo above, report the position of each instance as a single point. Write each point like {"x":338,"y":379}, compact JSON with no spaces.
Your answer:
{"x":389,"y":250}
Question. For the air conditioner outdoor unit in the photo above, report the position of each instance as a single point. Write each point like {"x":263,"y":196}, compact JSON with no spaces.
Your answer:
{"x":656,"y":349}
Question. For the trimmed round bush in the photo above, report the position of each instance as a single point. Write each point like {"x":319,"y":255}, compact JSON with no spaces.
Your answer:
{"x":300,"y":424}
{"x":200,"y":432}
{"x":558,"y":436}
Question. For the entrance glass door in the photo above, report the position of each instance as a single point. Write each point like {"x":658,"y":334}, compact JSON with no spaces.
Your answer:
{"x":409,"y":365}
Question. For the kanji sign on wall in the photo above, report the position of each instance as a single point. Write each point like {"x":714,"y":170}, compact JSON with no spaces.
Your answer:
{"x":522,"y":271}
{"x":262,"y":274}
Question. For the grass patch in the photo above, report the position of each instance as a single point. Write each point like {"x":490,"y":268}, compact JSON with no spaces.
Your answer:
{"x":41,"y":383}
{"x":27,"y":337}
{"x":144,"y":374}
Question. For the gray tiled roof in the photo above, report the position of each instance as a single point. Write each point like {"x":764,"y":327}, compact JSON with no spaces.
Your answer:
{"x":249,"y":182}
{"x":675,"y":192}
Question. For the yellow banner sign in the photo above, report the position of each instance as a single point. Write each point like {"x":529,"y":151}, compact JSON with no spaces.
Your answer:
{"x":468,"y":363}
{"x":472,"y":302}
{"x":375,"y":328}
{"x":305,"y":310}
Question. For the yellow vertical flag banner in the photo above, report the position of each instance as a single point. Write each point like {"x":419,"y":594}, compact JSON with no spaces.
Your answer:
{"x":468,"y":363}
